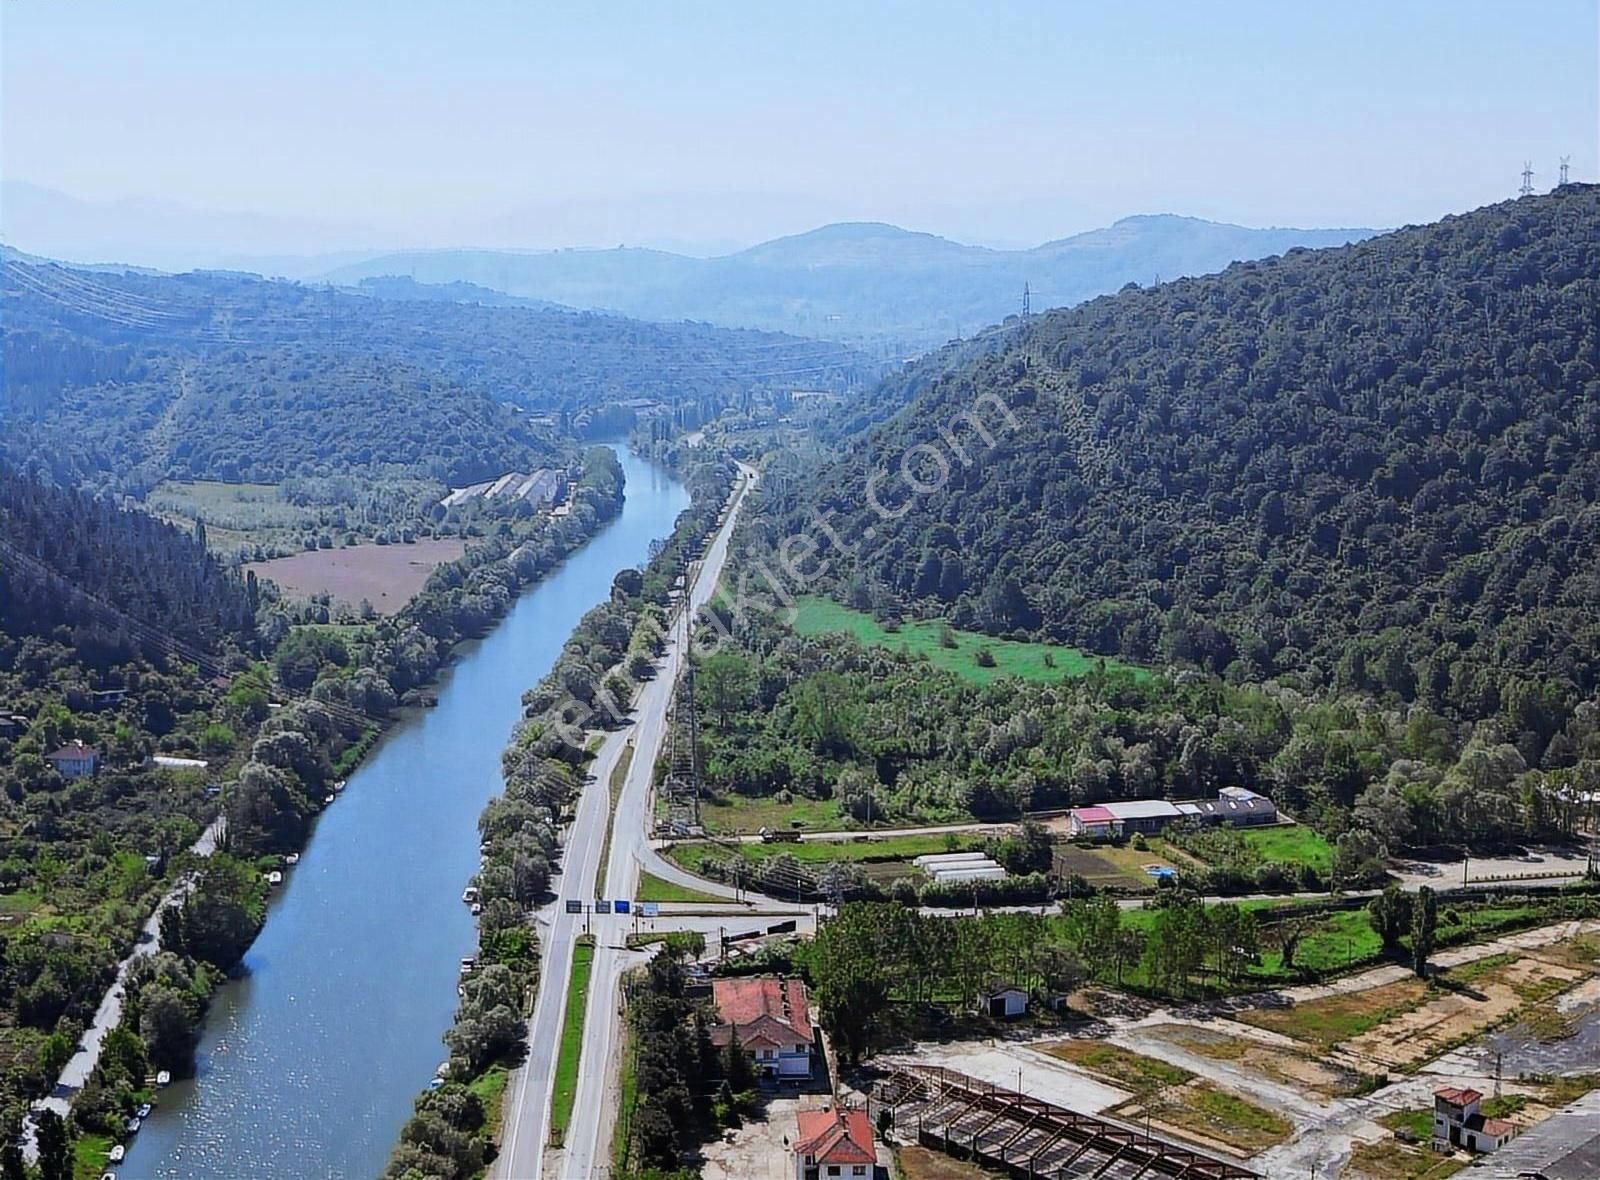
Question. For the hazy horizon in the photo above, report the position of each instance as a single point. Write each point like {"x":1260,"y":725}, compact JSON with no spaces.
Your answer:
{"x":712,"y":127}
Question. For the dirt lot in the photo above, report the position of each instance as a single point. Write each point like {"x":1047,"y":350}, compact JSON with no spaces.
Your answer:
{"x":387,"y":576}
{"x":1398,"y":1026}
{"x":918,"y":1163}
{"x":1040,"y":1074}
{"x":1311,"y":1077}
{"x":1451,"y":1017}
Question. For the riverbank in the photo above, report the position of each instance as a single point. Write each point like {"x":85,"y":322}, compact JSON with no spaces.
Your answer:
{"x":540,"y":788}
{"x":326,"y":987}
{"x":512,"y":564}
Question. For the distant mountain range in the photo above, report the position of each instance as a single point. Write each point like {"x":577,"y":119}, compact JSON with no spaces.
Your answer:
{"x":861,"y":282}
{"x":857,"y":282}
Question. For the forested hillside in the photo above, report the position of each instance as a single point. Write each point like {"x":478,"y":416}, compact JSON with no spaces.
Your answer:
{"x":862,"y":282}
{"x":222,"y":376}
{"x":115,"y":584}
{"x":1373,"y":467}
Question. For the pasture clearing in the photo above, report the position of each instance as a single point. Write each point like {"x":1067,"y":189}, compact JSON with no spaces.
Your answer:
{"x":956,"y":651}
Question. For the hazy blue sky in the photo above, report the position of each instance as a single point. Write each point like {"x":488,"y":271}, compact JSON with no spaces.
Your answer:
{"x":434,"y":123}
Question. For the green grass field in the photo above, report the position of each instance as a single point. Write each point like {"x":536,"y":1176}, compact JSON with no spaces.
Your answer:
{"x":1136,"y":1072}
{"x":619,"y":775}
{"x":739,"y":815}
{"x":653,"y":888}
{"x":1227,"y":1117}
{"x":1293,"y":844}
{"x":89,"y":1154}
{"x":904,"y":848}
{"x":628,"y":1099}
{"x":815,"y":616}
{"x":566,"y":1078}
{"x":490,"y":1088}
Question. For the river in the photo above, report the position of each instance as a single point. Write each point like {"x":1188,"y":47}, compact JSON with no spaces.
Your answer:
{"x":308,"y":1064}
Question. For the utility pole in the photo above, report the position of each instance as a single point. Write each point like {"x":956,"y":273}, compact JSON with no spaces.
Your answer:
{"x":1527,"y":179}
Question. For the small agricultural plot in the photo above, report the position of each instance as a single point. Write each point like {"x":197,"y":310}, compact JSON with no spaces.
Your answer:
{"x":387,"y":576}
{"x":1120,"y":867}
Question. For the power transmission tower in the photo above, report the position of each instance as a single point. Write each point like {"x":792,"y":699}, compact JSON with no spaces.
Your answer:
{"x":683,"y":736}
{"x":1027,"y":301}
{"x":1566,"y":164}
{"x":1527,"y":179}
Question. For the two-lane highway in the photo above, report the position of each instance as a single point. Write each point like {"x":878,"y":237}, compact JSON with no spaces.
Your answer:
{"x":527,"y":1116}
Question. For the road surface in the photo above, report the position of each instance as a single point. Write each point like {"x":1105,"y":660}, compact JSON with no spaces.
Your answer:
{"x":527,"y":1117}
{"x":109,"y":1014}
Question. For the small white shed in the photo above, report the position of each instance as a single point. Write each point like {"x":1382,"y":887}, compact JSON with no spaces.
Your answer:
{"x":1005,"y":1002}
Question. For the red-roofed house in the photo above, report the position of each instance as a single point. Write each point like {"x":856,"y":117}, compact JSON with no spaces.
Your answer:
{"x":1458,"y":1121}
{"x":75,"y":761}
{"x":771,"y":1019}
{"x":834,"y":1143}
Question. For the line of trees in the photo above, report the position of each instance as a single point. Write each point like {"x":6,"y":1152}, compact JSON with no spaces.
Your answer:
{"x":543,"y":771}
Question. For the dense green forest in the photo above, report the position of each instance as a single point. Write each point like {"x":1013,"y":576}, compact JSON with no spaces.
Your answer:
{"x":124,"y":379}
{"x":78,"y":569}
{"x":1371,"y":468}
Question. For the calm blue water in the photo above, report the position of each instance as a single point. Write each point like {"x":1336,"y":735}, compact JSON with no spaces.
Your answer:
{"x":308,"y":1066}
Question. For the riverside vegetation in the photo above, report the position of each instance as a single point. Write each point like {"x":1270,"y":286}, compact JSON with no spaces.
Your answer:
{"x":187,"y":658}
{"x":451,"y":1134}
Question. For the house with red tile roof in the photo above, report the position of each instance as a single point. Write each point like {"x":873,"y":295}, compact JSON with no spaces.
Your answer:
{"x":1458,"y":1121}
{"x":771,"y":1020}
{"x":834,"y":1144}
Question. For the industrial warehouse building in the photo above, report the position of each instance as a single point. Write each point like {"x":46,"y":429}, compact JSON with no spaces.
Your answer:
{"x":1236,"y":806}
